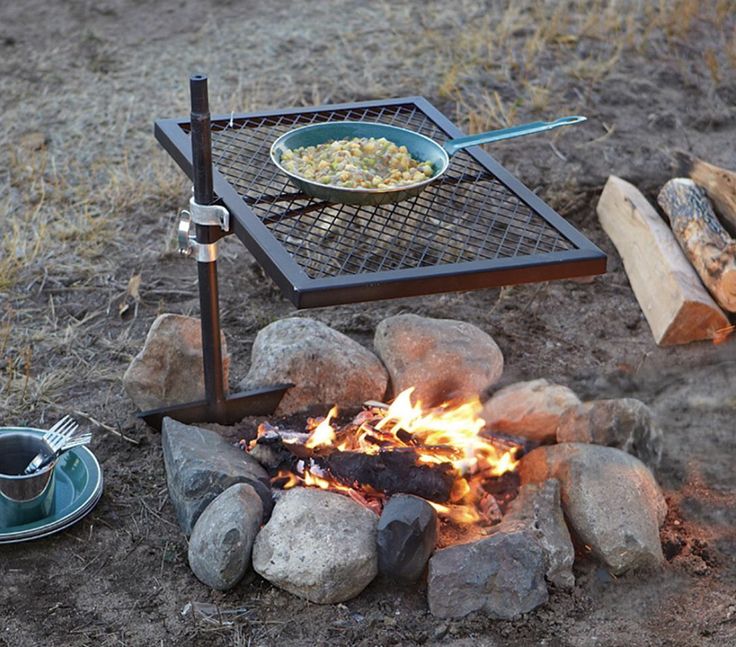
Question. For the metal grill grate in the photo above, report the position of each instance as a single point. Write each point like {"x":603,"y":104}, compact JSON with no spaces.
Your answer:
{"x":470,"y":221}
{"x":467,"y":215}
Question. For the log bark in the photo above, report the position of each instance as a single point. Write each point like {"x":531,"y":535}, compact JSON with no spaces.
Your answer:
{"x":705,"y":242}
{"x":677,"y":307}
{"x":719,"y":184}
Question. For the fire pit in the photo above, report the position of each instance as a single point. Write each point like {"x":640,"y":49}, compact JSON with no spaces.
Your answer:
{"x":399,"y":490}
{"x":475,"y":227}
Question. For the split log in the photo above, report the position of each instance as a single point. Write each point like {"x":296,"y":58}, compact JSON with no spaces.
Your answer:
{"x":675,"y":303}
{"x":719,"y":184}
{"x":703,"y":239}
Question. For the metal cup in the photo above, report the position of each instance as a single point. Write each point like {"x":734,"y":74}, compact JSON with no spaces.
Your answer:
{"x":24,"y":498}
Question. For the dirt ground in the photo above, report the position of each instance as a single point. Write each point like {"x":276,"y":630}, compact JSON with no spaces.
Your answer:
{"x":88,"y":201}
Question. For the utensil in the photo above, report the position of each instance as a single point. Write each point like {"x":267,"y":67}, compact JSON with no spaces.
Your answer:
{"x":83,"y":439}
{"x":75,"y":441}
{"x":420,"y":147}
{"x":55,"y":438}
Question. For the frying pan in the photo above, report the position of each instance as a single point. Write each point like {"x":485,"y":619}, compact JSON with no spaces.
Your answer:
{"x":420,"y":147}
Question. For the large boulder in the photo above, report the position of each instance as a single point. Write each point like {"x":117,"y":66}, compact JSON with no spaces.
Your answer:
{"x":200,"y":464}
{"x":529,"y":409}
{"x":442,"y":359}
{"x":222,"y":539}
{"x":325,"y":366}
{"x":538,"y":507}
{"x":626,"y":423}
{"x":407,"y":535}
{"x":169,"y":368}
{"x":318,"y":545}
{"x":610,"y":499}
{"x":501,"y":576}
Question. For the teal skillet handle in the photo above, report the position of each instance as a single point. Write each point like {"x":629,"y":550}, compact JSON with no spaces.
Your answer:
{"x":452,"y":146}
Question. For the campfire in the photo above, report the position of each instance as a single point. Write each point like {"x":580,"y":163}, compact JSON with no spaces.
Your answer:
{"x":415,"y":491}
{"x":444,"y":454}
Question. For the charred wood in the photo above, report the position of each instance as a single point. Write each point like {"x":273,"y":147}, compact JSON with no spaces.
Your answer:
{"x":391,"y":472}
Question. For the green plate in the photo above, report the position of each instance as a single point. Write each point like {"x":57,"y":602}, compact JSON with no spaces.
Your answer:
{"x":78,"y":489}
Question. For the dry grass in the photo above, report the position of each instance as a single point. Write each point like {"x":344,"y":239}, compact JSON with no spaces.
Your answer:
{"x":63,"y":236}
{"x":74,"y":211}
{"x":527,"y":51}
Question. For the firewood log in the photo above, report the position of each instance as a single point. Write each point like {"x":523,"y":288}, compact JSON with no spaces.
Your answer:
{"x":702,"y":237}
{"x":391,"y":472}
{"x":719,"y":184}
{"x":676,"y":305}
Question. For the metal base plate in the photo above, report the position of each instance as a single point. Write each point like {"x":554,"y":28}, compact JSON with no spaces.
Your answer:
{"x":258,"y":402}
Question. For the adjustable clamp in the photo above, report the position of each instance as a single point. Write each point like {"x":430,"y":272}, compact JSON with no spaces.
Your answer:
{"x":209,"y":214}
{"x":199,"y":214}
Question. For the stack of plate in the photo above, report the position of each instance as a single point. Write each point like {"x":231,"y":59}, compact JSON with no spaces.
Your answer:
{"x":78,"y":489}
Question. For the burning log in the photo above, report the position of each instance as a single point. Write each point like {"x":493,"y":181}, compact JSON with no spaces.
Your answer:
{"x":702,"y":237}
{"x":391,"y":472}
{"x":518,"y":445}
{"x":719,"y":183}
{"x":676,"y":305}
{"x":439,"y":455}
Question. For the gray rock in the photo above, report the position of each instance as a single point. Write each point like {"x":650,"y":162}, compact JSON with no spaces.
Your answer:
{"x":222,"y":540}
{"x":318,"y":545}
{"x":407,"y":535}
{"x":529,"y":409}
{"x":538,"y":507}
{"x":325,"y":366}
{"x":200,"y":464}
{"x":443,"y":359}
{"x":501,"y":576}
{"x":626,"y":423}
{"x":169,"y":369}
{"x":610,"y":499}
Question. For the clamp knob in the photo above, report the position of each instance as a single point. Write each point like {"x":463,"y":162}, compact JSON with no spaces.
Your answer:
{"x":184,"y":234}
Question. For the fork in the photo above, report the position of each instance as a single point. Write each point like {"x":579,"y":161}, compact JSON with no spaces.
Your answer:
{"x":55,"y":438}
{"x":82,"y":439}
{"x":74,"y":441}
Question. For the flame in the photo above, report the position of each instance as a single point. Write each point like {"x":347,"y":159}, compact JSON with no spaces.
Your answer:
{"x":460,"y":514}
{"x":323,"y":434}
{"x":448,"y":433}
{"x":446,"y":427}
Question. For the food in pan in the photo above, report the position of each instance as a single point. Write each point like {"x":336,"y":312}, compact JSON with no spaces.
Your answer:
{"x":357,"y":163}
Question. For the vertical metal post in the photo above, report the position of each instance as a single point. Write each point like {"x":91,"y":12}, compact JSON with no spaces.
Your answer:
{"x":217,"y":406}
{"x":207,"y":271}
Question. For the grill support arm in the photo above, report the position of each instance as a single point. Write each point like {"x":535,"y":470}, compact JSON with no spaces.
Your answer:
{"x":217,"y":405}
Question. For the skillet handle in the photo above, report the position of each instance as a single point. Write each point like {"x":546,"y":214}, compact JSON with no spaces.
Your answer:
{"x":452,"y":146}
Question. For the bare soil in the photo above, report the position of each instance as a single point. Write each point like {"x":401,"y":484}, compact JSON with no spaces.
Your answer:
{"x":88,"y":201}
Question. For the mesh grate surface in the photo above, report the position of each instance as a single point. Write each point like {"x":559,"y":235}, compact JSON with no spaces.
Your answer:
{"x":467,"y":215}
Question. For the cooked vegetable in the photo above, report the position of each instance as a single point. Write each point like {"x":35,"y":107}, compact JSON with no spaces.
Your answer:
{"x":358,"y":163}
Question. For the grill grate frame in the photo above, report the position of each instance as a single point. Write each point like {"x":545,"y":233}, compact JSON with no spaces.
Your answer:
{"x":477,"y":226}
